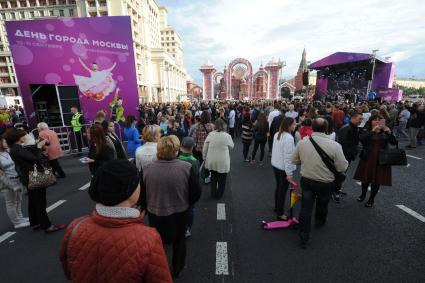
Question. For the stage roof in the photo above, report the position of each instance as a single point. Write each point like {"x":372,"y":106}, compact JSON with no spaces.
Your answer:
{"x":342,"y":58}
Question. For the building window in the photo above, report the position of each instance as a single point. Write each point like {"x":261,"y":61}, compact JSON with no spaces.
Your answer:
{"x":22,"y":14}
{"x":41,"y":13}
{"x":32,"y":14}
{"x":61,"y":13}
{"x":13,"y":16}
{"x":71,"y":12}
{"x":51,"y":13}
{"x":3,"y":16}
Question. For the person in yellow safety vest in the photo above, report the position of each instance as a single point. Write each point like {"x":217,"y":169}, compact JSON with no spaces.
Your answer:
{"x":77,"y":123}
{"x":116,"y":108}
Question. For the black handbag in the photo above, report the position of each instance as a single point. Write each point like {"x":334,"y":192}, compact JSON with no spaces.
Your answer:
{"x":339,"y":176}
{"x":392,"y":157}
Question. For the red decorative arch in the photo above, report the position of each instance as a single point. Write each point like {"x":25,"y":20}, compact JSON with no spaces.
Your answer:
{"x":217,"y":74}
{"x":288,"y":85}
{"x":229,"y":76}
{"x":195,"y":92}
{"x":255,"y":94}
{"x":257,"y":74}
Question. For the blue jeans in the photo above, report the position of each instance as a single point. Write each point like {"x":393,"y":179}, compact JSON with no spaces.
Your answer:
{"x":246,"y":147}
{"x":262,"y":145}
{"x":190,"y":217}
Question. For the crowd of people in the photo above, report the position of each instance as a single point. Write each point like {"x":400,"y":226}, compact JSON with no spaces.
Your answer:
{"x":175,"y":148}
{"x":10,"y":116}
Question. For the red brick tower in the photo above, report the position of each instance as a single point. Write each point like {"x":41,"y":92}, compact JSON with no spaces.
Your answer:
{"x":299,"y":77}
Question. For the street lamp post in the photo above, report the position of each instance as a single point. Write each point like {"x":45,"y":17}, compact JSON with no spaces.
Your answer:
{"x":306,"y":87}
{"x":369,"y":84}
{"x":283,"y":65}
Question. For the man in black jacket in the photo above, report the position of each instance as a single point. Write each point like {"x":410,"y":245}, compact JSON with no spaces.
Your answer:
{"x":275,"y":125}
{"x":348,"y":137}
{"x":417,"y":121}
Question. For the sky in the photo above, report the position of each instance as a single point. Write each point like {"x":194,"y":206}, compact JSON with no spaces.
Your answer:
{"x":218,"y":31}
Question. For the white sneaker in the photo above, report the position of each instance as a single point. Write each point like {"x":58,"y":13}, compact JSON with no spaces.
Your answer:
{"x":208,"y":180}
{"x":25,"y":219}
{"x":188,"y":234}
{"x":22,"y":225}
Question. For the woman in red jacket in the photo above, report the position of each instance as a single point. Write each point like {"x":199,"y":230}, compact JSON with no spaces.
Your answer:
{"x":113,"y":245}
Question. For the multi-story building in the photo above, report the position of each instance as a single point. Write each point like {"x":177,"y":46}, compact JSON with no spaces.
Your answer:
{"x":159,"y":65}
{"x":412,"y":83}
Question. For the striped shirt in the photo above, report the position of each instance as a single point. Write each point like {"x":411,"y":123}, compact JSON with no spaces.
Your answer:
{"x":247,"y":134}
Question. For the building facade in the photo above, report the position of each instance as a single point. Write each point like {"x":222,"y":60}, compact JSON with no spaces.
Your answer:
{"x":158,"y":57}
{"x":410,"y":83}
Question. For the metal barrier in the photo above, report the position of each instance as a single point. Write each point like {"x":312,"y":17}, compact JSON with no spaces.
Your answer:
{"x":75,"y":143}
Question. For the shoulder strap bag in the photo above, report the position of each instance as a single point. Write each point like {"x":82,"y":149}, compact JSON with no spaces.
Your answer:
{"x":74,"y":229}
{"x":392,"y":157}
{"x":41,"y":179}
{"x":339,"y":176}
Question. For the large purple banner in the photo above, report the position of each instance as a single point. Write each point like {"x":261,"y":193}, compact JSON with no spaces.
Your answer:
{"x":94,"y":54}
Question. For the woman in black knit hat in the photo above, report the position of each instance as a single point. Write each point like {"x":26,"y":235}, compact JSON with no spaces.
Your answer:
{"x":113,"y":240}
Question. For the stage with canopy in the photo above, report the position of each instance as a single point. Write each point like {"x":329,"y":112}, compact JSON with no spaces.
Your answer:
{"x":345,"y":76}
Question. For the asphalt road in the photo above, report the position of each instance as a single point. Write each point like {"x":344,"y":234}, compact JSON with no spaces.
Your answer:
{"x":382,"y":244}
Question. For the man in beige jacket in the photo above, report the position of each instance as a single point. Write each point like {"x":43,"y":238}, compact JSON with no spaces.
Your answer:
{"x":317,"y":181}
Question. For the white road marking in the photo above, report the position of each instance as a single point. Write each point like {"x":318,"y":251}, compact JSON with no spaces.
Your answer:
{"x":411,"y":212}
{"x":408,"y":165}
{"x":221,"y":211}
{"x":85,"y":187}
{"x":56,"y":204}
{"x":221,"y":260}
{"x":6,"y":235}
{"x":414,"y":157}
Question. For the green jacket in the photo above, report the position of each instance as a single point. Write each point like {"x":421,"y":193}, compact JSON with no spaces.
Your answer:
{"x":77,"y":122}
{"x":188,"y":157}
{"x":119,"y":110}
